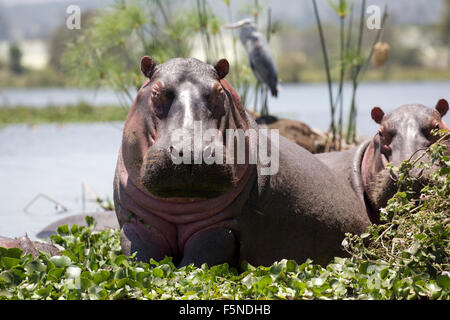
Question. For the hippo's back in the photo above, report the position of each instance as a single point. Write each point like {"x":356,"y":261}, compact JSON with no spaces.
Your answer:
{"x":303,"y":212}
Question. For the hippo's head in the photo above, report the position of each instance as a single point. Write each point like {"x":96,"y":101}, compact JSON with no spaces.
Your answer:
{"x":175,"y":130}
{"x":402,"y":134}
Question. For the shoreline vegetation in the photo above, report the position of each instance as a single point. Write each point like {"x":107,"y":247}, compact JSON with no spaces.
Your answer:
{"x":48,"y":78}
{"x":80,"y":113}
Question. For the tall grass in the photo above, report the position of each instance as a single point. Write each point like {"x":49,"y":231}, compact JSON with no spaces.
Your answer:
{"x":352,"y":65}
{"x":111,"y":45}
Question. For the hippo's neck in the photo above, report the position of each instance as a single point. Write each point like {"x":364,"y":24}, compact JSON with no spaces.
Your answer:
{"x":176,"y":211}
{"x":178,"y":221}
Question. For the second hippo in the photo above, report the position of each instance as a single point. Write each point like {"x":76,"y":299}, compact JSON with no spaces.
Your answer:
{"x":402,"y":133}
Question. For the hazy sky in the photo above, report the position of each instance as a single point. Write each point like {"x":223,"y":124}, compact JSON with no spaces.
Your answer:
{"x":11,"y":2}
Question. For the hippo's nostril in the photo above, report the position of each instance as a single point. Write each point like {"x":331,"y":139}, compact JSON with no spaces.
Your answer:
{"x":393,"y":176}
{"x":208,"y":152}
{"x":174,"y":151}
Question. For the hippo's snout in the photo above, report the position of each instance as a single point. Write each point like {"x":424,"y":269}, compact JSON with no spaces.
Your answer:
{"x":166,"y":178}
{"x":385,"y":183}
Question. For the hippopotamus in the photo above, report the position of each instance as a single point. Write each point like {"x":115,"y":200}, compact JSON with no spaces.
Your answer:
{"x":29,"y":246}
{"x":214,"y":212}
{"x":401,"y":134}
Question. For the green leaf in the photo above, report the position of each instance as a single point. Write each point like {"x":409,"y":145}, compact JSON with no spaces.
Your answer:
{"x":35,"y":266}
{"x":443,"y":281}
{"x":44,"y":292}
{"x":91,"y":222}
{"x":7,"y":276}
{"x":100,"y":276}
{"x":120,"y":273}
{"x":384,"y":273}
{"x":55,"y":274}
{"x":420,"y":236}
{"x":74,"y":229}
{"x":61,"y":261}
{"x":121,"y":260}
{"x":6,"y":294}
{"x":8,"y":262}
{"x":85,"y":283}
{"x":158,"y":273}
{"x":63,"y":230}
{"x":120,"y":283}
{"x":363,"y":267}
{"x":73,"y":272}
{"x":14,"y":253}
{"x":435,"y":291}
{"x":264,"y":282}
{"x":291,"y":266}
{"x":276,"y":269}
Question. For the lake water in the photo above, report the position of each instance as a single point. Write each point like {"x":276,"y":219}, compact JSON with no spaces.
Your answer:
{"x":56,"y":160}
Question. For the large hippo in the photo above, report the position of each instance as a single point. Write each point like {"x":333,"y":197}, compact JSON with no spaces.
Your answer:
{"x":291,"y":207}
{"x":402,"y":133}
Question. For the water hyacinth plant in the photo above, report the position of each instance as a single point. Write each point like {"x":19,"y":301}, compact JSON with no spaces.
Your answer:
{"x":406,"y":257}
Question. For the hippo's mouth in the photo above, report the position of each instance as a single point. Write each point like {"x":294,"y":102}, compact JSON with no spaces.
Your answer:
{"x":189,"y":193}
{"x":385,"y":186}
{"x":188,"y":183}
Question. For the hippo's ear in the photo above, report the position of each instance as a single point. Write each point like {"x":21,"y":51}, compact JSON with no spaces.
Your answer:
{"x":377,"y":114}
{"x":442,"y":107}
{"x":147,"y":66}
{"x":222,"y":67}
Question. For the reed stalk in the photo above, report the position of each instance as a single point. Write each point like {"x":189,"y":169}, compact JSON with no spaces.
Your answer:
{"x":328,"y":73}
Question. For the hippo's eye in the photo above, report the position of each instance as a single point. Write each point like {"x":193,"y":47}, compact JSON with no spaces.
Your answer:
{"x":216,"y":100}
{"x":430,"y":132}
{"x":160,"y":99}
{"x":157,"y":97}
{"x":386,"y":135}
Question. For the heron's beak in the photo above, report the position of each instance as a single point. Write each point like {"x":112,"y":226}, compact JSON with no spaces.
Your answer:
{"x":236,"y":25}
{"x":232,"y":26}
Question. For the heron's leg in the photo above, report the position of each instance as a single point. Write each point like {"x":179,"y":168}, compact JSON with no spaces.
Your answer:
{"x":264,"y":108}
{"x":266,"y":97}
{"x":261,"y":93}
{"x":255,"y":106}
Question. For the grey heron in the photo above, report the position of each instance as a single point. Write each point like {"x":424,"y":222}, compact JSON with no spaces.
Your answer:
{"x":259,"y":54}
